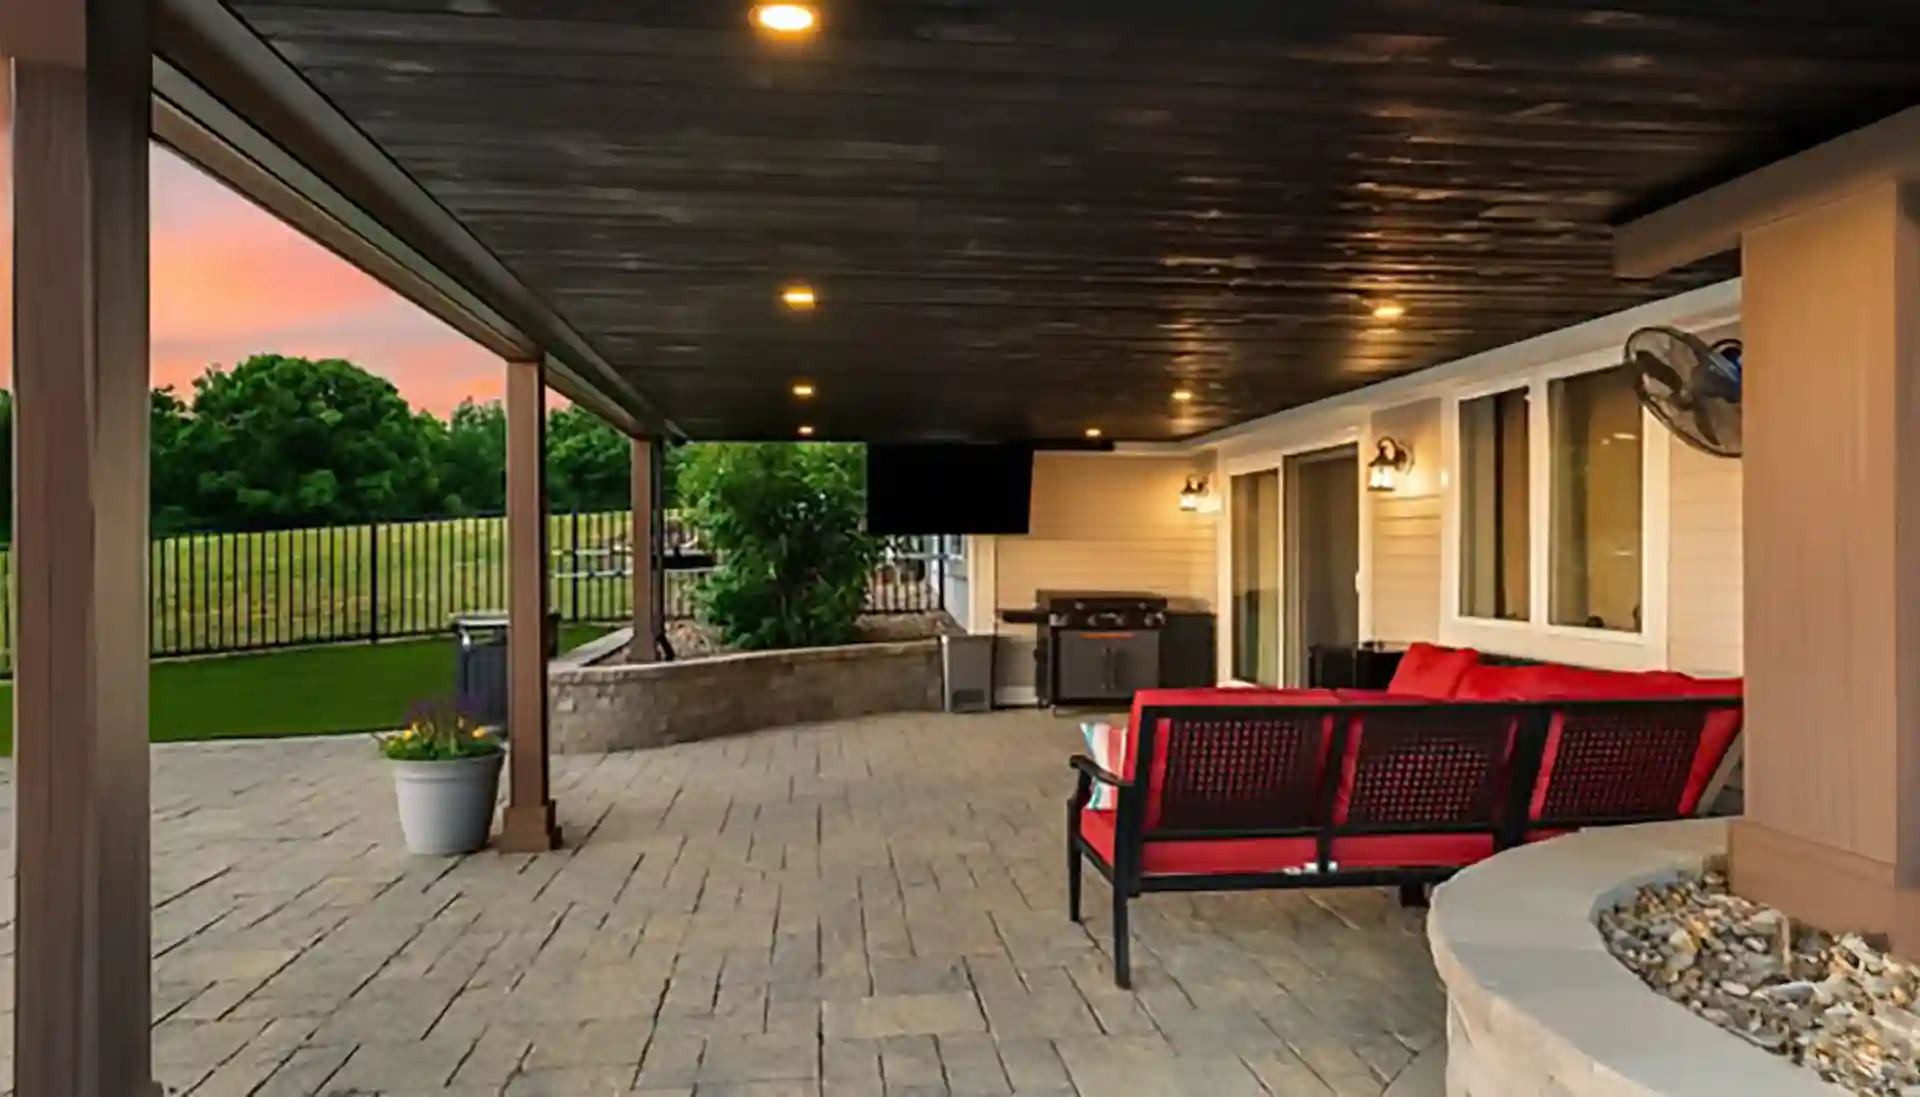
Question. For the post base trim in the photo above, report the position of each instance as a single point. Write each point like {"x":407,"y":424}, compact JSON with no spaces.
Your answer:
{"x":529,"y":828}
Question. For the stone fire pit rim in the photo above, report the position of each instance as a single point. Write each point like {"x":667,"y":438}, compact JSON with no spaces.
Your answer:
{"x":1536,"y":1001}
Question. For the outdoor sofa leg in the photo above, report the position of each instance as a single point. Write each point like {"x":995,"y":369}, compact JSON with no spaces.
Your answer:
{"x":1122,"y":963}
{"x":1413,"y":896}
{"x":1073,"y":863}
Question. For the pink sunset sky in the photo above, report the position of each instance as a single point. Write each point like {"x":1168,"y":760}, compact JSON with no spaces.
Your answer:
{"x":229,"y":281}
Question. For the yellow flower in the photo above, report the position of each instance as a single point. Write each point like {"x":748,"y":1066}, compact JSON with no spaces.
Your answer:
{"x":407,"y":734}
{"x":479,"y":733}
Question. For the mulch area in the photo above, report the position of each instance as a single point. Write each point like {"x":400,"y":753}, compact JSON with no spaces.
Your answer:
{"x":691,"y":639}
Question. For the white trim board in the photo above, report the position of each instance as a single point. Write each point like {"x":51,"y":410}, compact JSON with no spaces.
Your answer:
{"x":1707,"y":307}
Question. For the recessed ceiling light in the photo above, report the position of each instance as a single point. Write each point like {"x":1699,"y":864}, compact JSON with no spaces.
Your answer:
{"x":799,"y":298}
{"x":1389,"y":310}
{"x":806,"y":432}
{"x":1182,"y":396}
{"x":786,"y":19}
{"x":1093,"y":432}
{"x":803,"y":389}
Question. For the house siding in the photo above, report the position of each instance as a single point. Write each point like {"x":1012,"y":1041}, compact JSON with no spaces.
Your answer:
{"x":1704,"y":564}
{"x":1406,"y":569}
{"x":1103,"y":522}
{"x":1405,"y":528}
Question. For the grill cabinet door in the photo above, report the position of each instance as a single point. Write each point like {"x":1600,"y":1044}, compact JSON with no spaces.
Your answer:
{"x":1105,"y":666}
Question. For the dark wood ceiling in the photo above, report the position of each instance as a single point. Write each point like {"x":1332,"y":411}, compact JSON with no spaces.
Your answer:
{"x":1027,"y":217}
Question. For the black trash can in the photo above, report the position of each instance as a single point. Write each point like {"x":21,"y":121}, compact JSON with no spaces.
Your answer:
{"x":480,"y":664}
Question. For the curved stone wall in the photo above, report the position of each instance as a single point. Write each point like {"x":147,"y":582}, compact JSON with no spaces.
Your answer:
{"x":1537,"y":1005}
{"x":595,"y":708}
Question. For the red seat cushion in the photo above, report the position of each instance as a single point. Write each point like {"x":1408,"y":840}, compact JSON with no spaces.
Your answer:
{"x":1427,"y":670}
{"x":1229,"y":856}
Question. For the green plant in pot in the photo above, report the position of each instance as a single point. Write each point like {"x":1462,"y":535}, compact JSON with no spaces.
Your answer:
{"x":446,"y":777}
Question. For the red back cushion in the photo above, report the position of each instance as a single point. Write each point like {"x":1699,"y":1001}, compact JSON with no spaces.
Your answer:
{"x":1555,"y":681}
{"x":1203,"y":698}
{"x":1722,"y":728}
{"x":1485,"y":682}
{"x":1717,"y":734}
{"x":1427,"y":670}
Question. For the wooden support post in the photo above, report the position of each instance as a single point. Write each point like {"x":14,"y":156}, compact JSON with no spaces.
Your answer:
{"x":529,"y":824}
{"x":645,"y":594}
{"x":1831,"y":482}
{"x":80,"y":103}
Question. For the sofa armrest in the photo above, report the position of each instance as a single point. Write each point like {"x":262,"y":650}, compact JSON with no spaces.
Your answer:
{"x":1086,"y":773}
{"x":1091,"y":770}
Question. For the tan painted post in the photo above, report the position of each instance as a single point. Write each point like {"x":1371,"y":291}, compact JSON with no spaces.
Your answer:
{"x":81,"y":954}
{"x":529,"y":824}
{"x":1831,"y":471}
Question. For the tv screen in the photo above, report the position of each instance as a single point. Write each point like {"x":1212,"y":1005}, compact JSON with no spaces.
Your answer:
{"x":948,"y":488}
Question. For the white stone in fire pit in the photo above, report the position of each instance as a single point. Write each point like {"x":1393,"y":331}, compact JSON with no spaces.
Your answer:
{"x":1836,"y":1006}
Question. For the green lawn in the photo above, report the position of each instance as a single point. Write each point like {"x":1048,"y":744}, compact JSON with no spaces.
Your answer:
{"x":310,"y":691}
{"x":235,"y":591}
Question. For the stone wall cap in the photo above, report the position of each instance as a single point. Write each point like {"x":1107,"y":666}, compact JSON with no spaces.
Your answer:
{"x":1514,"y":938}
{"x":594,"y":652}
{"x":784,"y":657}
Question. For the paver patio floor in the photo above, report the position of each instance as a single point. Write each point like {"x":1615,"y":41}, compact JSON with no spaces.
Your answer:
{"x":867,"y":908}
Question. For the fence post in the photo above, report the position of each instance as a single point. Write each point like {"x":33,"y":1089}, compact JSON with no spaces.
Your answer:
{"x":373,"y":581}
{"x":940,"y":575}
{"x":573,"y":567}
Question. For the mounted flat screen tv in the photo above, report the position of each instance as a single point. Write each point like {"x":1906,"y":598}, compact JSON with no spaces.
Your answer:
{"x":948,"y":488}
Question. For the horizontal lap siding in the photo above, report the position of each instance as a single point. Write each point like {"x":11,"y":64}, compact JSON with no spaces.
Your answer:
{"x":1405,"y":527}
{"x":1704,"y":564}
{"x":1104,"y":522}
{"x":1406,"y":568}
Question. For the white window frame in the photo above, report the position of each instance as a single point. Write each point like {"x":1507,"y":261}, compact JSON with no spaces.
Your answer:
{"x":1537,"y":637}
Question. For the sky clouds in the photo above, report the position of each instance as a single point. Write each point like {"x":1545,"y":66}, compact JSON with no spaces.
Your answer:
{"x":229,"y":280}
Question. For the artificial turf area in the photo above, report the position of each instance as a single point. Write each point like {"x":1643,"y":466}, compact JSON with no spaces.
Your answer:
{"x":306,"y":691}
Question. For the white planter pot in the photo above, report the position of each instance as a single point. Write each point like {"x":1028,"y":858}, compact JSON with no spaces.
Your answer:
{"x":447,"y":807}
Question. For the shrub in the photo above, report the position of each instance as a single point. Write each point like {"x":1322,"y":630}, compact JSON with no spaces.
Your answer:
{"x":786,"y":523}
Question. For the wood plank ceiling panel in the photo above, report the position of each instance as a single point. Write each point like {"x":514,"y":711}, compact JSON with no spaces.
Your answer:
{"x":1024,"y":219}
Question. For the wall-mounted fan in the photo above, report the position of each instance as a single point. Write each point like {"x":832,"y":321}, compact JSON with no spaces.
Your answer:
{"x":1690,"y":386}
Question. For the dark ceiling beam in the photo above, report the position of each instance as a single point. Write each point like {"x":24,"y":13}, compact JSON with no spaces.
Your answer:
{"x":1711,"y":222}
{"x":289,"y":149}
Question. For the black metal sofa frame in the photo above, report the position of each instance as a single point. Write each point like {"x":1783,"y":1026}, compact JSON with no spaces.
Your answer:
{"x":1329,"y":776}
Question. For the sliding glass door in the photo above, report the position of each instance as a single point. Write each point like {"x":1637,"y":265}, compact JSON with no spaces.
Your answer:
{"x":1256,"y":577}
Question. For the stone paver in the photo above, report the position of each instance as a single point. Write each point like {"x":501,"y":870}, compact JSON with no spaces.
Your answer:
{"x":872,"y":908}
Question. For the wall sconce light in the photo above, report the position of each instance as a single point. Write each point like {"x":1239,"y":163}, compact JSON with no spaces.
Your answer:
{"x":1391,"y":460}
{"x":1193,"y":496}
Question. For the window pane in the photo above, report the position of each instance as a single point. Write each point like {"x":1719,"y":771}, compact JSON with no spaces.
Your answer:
{"x":1256,"y":577}
{"x":1595,"y":545}
{"x":1493,"y":506}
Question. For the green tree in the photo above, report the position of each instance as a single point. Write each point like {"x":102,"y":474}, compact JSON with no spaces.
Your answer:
{"x":787,"y":523}
{"x":589,"y":463}
{"x":473,"y":459}
{"x":284,"y":441}
{"x":175,"y":472}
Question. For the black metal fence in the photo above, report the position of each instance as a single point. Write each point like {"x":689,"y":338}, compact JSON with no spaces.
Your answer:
{"x":229,"y":592}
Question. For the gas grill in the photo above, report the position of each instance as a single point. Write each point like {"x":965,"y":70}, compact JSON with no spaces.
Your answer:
{"x":1097,"y":647}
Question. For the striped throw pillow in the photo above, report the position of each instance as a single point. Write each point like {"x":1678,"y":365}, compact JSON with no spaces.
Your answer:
{"x":1107,"y":745}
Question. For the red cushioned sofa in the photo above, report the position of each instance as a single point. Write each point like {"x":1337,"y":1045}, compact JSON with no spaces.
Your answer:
{"x":1227,"y":789}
